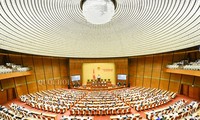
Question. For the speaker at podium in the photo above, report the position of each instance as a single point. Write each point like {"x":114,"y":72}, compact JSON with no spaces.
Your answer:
{"x":98,"y":78}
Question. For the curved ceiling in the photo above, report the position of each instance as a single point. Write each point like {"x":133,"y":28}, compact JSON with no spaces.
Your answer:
{"x":58,"y":28}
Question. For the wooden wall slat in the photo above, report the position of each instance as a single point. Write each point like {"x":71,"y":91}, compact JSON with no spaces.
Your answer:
{"x":164,"y":84}
{"x":10,"y":94}
{"x":187,"y":79}
{"x":22,"y":90}
{"x":147,"y":82}
{"x":43,"y":69}
{"x":154,"y":83}
{"x":174,"y":86}
{"x":7,"y":83}
{"x":158,"y":78}
{"x":197,"y":81}
{"x":32,"y":87}
{"x":3,"y":97}
{"x":194,"y":92}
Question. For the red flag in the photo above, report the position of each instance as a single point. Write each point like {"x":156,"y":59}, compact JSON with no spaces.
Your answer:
{"x":93,"y":76}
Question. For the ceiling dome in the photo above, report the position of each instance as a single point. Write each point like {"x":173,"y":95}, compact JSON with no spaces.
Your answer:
{"x":138,"y":27}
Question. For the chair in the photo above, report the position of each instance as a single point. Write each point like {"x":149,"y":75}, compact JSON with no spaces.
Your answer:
{"x":72,"y":112}
{"x":104,"y":112}
{"x":87,"y":112}
{"x":109,"y":111}
{"x":62,"y":111}
{"x":57,"y":110}
{"x":124,"y":110}
{"x":81,"y":112}
{"x":93,"y":112}
{"x":119,"y":111}
{"x":98,"y":112}
{"x":129,"y":110}
{"x":76,"y":112}
{"x":114,"y":111}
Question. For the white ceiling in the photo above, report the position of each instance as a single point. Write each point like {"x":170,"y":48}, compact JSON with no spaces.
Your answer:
{"x":58,"y":28}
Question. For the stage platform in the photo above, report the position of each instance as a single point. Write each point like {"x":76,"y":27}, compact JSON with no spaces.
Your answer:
{"x":99,"y":88}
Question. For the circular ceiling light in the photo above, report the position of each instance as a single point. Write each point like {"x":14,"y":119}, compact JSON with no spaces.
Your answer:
{"x":98,"y":11}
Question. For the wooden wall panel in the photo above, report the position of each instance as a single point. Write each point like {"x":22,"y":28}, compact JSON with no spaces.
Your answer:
{"x":31,"y":78}
{"x":20,"y":80}
{"x":63,"y":67}
{"x":132,"y":71}
{"x":164,"y":84}
{"x":43,"y":69}
{"x":1,"y":59}
{"x":174,"y":86}
{"x":3,"y":97}
{"x":157,"y":66}
{"x":42,"y":87}
{"x":10,"y":94}
{"x":140,"y":67}
{"x":179,"y":57}
{"x":194,"y":92}
{"x":148,"y":66}
{"x":175,"y":77}
{"x":28,"y":61}
{"x":17,"y":59}
{"x":47,"y":65}
{"x":49,"y":78}
{"x":22,"y":90}
{"x":8,"y":83}
{"x":56,"y":68}
{"x":147,"y":83}
{"x":121,"y":65}
{"x":139,"y":82}
{"x":154,"y":83}
{"x":141,"y":73}
{"x":50,"y":81}
{"x":197,"y":81}
{"x":32,"y":87}
{"x":187,"y":79}
{"x":185,"y":90}
{"x":167,"y":59}
{"x":39,"y":72}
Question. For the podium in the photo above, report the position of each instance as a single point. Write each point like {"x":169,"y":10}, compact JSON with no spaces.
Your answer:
{"x":98,"y":78}
{"x":99,"y":83}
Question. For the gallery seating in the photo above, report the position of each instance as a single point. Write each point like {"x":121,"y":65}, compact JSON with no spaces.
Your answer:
{"x":11,"y":67}
{"x":185,"y":64}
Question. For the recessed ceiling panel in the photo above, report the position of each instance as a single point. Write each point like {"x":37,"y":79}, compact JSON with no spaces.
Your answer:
{"x":58,"y":28}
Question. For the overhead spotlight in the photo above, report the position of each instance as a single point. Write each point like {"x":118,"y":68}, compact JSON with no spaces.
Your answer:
{"x":98,"y":11}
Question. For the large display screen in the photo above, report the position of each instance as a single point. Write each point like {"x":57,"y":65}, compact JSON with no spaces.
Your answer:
{"x":75,"y":77}
{"x":121,"y":76}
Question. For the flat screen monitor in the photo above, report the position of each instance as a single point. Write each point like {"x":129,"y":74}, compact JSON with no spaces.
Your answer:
{"x":76,"y":77}
{"x":121,"y":76}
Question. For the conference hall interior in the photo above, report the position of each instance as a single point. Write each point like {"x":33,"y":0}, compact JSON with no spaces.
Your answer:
{"x":99,"y":59}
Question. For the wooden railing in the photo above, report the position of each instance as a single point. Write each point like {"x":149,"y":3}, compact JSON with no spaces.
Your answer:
{"x":14,"y":74}
{"x":184,"y":72}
